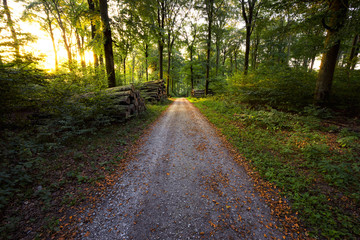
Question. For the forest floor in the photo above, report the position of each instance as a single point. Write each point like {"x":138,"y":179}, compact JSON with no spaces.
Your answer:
{"x":183,"y":180}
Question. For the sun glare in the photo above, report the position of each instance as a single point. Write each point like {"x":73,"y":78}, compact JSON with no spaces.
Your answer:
{"x":42,"y":47}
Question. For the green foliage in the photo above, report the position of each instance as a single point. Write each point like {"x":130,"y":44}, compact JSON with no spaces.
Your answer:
{"x":291,"y":150}
{"x":18,"y":84}
{"x":275,"y":85}
{"x":345,"y":91}
{"x":41,"y":113}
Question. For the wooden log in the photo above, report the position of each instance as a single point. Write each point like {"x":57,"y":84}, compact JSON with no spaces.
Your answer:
{"x":150,"y":90}
{"x":119,"y":111}
{"x":122,"y":100}
{"x":149,"y":94}
{"x":135,"y":102}
{"x":151,"y":85}
{"x":119,"y":94}
{"x":121,"y":88}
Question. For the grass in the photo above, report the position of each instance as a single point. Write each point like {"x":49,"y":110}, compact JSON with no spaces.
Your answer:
{"x":316,"y":164}
{"x":62,"y":178}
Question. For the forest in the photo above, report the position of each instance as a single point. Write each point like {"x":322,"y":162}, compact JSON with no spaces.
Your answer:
{"x":287,"y":72}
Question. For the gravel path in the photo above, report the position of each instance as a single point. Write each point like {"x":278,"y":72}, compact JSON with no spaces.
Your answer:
{"x":182,"y":184}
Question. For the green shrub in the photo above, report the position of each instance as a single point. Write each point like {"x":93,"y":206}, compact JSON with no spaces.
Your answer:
{"x":278,"y":86}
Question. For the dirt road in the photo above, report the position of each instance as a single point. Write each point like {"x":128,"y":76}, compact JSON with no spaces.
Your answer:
{"x":182,"y":184}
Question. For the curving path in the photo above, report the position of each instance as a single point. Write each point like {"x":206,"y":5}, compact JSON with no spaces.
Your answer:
{"x":182,"y":184}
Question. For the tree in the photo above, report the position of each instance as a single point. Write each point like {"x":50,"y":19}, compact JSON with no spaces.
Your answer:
{"x":33,"y":12}
{"x":209,"y":7}
{"x":57,"y":13}
{"x":11,"y":26}
{"x":93,"y":19}
{"x":190,"y":40}
{"x":353,"y":53}
{"x":250,"y":10}
{"x":174,"y":21}
{"x":108,"y":50}
{"x":337,"y":14}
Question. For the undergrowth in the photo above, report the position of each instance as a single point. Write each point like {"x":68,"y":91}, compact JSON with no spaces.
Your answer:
{"x":292,"y":89}
{"x":55,"y":177}
{"x":44,"y":119}
{"x":314,"y":163}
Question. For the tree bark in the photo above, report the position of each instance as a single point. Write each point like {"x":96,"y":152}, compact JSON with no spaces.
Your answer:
{"x":217,"y":58}
{"x":248,"y":15}
{"x":124,"y":66}
{"x":108,"y":51}
{"x":337,"y":9}
{"x":51,"y":32}
{"x":247,"y":51}
{"x":133,"y":68}
{"x":54,"y":47}
{"x":161,"y":25}
{"x":312,"y":63}
{"x":353,"y":53}
{"x":255,"y":51}
{"x":146,"y":61}
{"x":93,"y":29}
{"x":80,"y":49}
{"x":10,"y":24}
{"x":191,"y":68}
{"x":63,"y":32}
{"x":210,"y":8}
{"x":53,"y":41}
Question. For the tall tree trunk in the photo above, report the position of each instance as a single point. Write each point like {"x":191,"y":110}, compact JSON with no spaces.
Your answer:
{"x":109,"y":56}
{"x":146,"y":61}
{"x":161,"y":24}
{"x":337,"y":9}
{"x":191,"y":68}
{"x":224,"y":59}
{"x":170,"y":47}
{"x":93,"y":29}
{"x":133,"y":68}
{"x":353,"y":53}
{"x":247,"y":50}
{"x":63,"y":32}
{"x":124,"y":66}
{"x":255,"y":51}
{"x":54,"y":46}
{"x":80,"y":49}
{"x":51,"y":32}
{"x":305,"y":63}
{"x":10,"y":24}
{"x":169,"y":62}
{"x":208,"y":50}
{"x":217,"y":58}
{"x":312,"y":63}
{"x":161,"y":60}
{"x":249,"y":15}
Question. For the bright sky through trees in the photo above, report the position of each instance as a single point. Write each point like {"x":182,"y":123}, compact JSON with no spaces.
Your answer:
{"x":42,"y":46}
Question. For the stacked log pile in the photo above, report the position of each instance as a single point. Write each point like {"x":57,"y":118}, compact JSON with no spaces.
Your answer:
{"x":153,"y":91}
{"x":199,"y":93}
{"x":125,"y":101}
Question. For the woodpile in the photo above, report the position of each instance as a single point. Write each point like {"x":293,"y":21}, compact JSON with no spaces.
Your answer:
{"x":153,"y":91}
{"x":199,"y":93}
{"x":125,"y":101}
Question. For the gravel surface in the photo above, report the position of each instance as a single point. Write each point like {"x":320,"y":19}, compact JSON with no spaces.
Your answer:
{"x":182,"y":183}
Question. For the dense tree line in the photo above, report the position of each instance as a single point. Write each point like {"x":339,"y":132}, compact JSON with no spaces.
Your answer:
{"x":248,"y":52}
{"x":193,"y":43}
